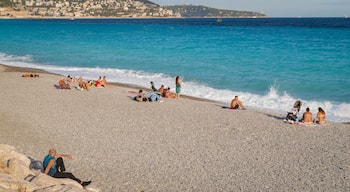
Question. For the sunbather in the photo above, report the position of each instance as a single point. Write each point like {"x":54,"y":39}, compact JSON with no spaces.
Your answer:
{"x":162,"y":91}
{"x":141,"y":96}
{"x":63,"y":84}
{"x":152,"y":87}
{"x":169,"y":94}
{"x":104,"y":82}
{"x":30,"y":75}
{"x":321,"y":116}
{"x":307,"y":116}
{"x":236,"y":103}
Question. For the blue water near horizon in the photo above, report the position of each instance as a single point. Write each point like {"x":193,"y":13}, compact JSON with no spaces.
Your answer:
{"x":268,"y":62}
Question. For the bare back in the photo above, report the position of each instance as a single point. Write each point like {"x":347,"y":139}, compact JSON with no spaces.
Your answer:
{"x":307,"y":117}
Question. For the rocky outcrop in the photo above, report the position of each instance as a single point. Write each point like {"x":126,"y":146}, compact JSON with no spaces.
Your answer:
{"x":19,"y":173}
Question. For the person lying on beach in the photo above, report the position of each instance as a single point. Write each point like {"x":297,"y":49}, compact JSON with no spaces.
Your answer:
{"x":91,"y":83}
{"x":104,"y":82}
{"x":141,"y":97}
{"x":153,"y":87}
{"x":30,"y":75}
{"x":307,"y":116}
{"x":63,"y":84}
{"x":53,"y":166}
{"x":236,"y":103}
{"x":321,"y":116}
{"x":169,"y":94}
{"x":153,"y":97}
{"x":147,"y":97}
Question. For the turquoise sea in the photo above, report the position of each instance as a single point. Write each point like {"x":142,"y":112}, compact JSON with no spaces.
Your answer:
{"x":269,"y":62}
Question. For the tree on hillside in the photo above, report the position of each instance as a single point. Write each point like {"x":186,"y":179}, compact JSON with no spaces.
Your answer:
{"x":5,"y":3}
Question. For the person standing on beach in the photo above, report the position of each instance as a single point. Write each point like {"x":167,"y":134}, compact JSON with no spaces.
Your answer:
{"x":54,"y":166}
{"x":178,"y":86}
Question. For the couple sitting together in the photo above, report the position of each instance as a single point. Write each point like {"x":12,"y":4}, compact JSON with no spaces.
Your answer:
{"x":165,"y":92}
{"x":147,"y":97}
{"x":320,"y":118}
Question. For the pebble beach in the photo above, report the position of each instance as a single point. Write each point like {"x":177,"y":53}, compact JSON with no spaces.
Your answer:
{"x":184,"y":144}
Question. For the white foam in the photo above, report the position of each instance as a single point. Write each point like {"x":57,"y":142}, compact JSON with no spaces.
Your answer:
{"x":272,"y":100}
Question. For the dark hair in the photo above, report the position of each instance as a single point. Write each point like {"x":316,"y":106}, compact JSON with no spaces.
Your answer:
{"x":307,"y":109}
{"x":177,"y":79}
{"x":320,"y":109}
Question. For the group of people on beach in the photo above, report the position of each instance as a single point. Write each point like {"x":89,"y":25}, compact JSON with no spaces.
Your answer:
{"x":64,"y":83}
{"x":161,"y":92}
{"x":165,"y":92}
{"x":307,"y":119}
{"x":30,"y":75}
{"x":320,"y":117}
{"x":53,"y":162}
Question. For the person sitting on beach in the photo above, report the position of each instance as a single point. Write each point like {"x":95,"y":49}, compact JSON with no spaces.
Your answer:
{"x":53,"y":166}
{"x":169,"y":94}
{"x":82,"y":85}
{"x":321,"y":116}
{"x":236,"y":103}
{"x":63,"y":84}
{"x":104,"y":82}
{"x":30,"y":75}
{"x":307,"y":116}
{"x":71,"y":79}
{"x":162,"y":91}
{"x":98,"y":82}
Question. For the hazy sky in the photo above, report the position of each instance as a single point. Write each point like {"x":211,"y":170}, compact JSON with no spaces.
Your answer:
{"x":275,"y":8}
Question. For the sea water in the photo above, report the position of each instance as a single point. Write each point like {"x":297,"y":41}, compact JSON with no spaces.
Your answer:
{"x":269,"y":63}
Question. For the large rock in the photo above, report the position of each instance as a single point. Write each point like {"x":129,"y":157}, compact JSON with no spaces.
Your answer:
{"x":16,"y":174}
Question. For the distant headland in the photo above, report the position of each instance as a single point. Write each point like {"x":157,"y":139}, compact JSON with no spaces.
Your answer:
{"x":111,"y":9}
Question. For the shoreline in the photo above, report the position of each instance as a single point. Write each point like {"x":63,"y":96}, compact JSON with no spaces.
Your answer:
{"x":177,"y":145}
{"x":9,"y":68}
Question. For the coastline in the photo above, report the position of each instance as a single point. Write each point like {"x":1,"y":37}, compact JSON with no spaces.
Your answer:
{"x":39,"y":17}
{"x":8,"y":68}
{"x":181,"y":144}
